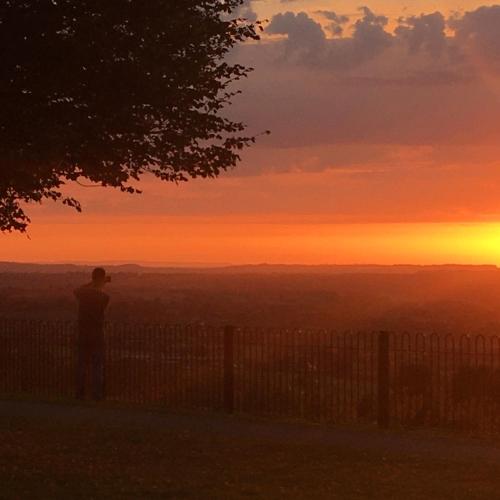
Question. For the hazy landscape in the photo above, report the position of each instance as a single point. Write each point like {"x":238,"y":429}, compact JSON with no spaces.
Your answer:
{"x":442,"y":299}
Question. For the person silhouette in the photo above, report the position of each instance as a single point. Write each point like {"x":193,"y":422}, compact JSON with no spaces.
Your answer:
{"x":92,"y":303}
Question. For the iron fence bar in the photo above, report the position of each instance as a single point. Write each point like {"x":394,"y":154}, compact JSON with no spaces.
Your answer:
{"x":383,"y":380}
{"x":229,"y":369}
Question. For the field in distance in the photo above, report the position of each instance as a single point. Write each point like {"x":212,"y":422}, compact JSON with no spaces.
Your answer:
{"x":444,"y":299}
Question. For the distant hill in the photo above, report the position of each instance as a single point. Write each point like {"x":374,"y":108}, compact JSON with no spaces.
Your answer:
{"x":352,"y":269}
{"x":18,"y":267}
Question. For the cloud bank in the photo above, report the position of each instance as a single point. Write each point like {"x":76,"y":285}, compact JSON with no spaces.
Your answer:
{"x":324,"y":78}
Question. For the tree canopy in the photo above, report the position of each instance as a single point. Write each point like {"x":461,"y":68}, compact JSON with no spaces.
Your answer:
{"x":105,"y":91}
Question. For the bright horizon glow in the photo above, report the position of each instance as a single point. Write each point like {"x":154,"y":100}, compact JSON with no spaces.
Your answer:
{"x":187,"y":240}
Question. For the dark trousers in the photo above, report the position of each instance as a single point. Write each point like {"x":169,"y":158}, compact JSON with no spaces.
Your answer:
{"x":90,"y":363}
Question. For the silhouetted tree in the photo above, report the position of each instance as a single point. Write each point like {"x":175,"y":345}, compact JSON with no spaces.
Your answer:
{"x":107,"y":90}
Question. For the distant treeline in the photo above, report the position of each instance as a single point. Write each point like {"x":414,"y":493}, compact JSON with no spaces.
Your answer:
{"x":448,"y":301}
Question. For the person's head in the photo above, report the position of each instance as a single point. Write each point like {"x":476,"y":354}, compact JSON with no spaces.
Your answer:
{"x":99,"y":277}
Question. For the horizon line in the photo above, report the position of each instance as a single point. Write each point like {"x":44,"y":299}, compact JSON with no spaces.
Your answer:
{"x":208,"y":265}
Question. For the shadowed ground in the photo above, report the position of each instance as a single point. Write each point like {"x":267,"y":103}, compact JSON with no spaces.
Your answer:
{"x":51,"y":450}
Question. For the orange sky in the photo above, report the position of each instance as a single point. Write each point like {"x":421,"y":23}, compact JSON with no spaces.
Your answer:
{"x":190,"y":240}
{"x":387,"y":157}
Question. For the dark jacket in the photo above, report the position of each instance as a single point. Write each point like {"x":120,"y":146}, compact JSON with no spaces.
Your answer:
{"x":92,"y":303}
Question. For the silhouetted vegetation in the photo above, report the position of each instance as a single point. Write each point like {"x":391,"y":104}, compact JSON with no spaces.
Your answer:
{"x":106,"y":92}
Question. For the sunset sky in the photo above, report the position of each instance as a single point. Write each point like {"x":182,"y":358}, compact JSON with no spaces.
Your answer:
{"x":384,"y":149}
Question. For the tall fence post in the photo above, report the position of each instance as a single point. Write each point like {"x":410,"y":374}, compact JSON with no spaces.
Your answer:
{"x":383,"y":379}
{"x":229,"y":369}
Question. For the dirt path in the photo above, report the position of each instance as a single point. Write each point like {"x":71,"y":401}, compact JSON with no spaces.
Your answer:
{"x":61,"y":451}
{"x":404,"y":443}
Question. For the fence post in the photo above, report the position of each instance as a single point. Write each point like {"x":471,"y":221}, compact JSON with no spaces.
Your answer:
{"x":229,"y":369}
{"x":383,"y":413}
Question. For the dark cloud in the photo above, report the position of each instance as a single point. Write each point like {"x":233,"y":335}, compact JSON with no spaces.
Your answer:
{"x":473,"y":38}
{"x":307,"y":42}
{"x":337,"y":22}
{"x":425,"y":32}
{"x":478,"y":34}
{"x":369,"y":38}
{"x":246,"y":11}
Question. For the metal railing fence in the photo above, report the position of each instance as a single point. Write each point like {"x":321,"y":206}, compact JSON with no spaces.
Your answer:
{"x":386,"y":378}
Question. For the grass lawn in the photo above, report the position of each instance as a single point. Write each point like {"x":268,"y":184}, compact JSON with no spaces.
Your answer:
{"x":63,"y":456}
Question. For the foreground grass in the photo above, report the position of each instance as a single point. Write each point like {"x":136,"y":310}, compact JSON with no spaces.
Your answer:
{"x":58,"y":457}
